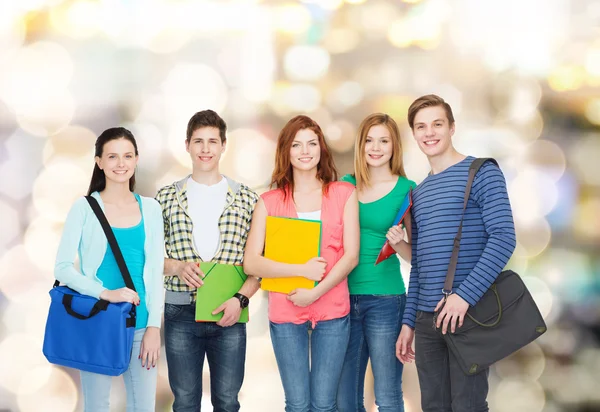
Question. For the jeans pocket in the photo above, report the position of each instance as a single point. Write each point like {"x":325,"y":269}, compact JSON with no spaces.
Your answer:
{"x":172,"y":311}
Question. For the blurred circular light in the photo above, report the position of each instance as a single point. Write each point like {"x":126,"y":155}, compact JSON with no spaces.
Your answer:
{"x":383,"y":13}
{"x":533,"y":237}
{"x":167,"y":41}
{"x":326,"y":4}
{"x":294,"y":98}
{"x":10,"y":225}
{"x":249,"y":157}
{"x":306,"y":63}
{"x":528,"y":363}
{"x":50,"y":116}
{"x":70,"y":143}
{"x":533,"y":194}
{"x":531,"y":396}
{"x":355,"y":1}
{"x":592,"y":62}
{"x":12,"y":34}
{"x":541,"y":294}
{"x":58,"y":394}
{"x":21,"y":150}
{"x":176,"y":143}
{"x":517,"y":97}
{"x":341,"y":40}
{"x":39,"y":73}
{"x":18,"y":274}
{"x":41,"y":242}
{"x":586,"y":220}
{"x":592,"y":111}
{"x":547,"y":157}
{"x":78,"y":20}
{"x":150,"y":143}
{"x":340,"y":136}
{"x":291,"y":18}
{"x":19,"y":354}
{"x":190,"y":88}
{"x":56,"y":189}
{"x":583,"y":158}
{"x":566,"y":78}
{"x":348,"y":94}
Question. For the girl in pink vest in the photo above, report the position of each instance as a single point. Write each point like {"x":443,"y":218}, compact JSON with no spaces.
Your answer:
{"x":307,"y":188}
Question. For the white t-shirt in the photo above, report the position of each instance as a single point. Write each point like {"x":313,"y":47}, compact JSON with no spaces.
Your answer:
{"x":205,"y":206}
{"x":316,"y":215}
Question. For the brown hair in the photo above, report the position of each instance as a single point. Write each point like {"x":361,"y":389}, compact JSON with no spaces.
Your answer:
{"x":361,"y":168}
{"x":429,"y":100}
{"x":206,"y":118}
{"x":283,"y":176}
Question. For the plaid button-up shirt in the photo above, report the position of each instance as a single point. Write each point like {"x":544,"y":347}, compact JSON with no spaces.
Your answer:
{"x":234,"y":225}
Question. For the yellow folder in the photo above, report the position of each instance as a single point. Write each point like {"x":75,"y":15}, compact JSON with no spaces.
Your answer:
{"x":221,"y":282}
{"x":295,"y":241}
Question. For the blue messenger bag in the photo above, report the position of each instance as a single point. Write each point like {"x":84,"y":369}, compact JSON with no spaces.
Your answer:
{"x":91,"y":334}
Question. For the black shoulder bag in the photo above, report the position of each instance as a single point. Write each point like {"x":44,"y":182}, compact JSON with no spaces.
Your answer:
{"x":504,"y":320}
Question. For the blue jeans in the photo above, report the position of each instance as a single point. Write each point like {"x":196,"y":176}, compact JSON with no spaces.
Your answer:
{"x":310,"y":386}
{"x":374,"y":328}
{"x":140,"y":384}
{"x":186,"y":344}
{"x":444,"y":386}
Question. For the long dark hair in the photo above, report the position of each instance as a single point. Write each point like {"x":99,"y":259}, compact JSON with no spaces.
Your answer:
{"x":98,"y":181}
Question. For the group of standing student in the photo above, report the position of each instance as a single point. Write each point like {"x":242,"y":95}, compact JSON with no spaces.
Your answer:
{"x":323,"y":337}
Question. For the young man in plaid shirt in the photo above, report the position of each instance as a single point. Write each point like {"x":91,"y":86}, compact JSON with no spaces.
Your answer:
{"x":207,"y":218}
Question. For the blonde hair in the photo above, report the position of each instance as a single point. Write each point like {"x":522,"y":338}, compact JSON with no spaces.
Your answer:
{"x":361,"y":168}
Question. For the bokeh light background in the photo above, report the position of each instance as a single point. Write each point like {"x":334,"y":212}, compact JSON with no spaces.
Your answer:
{"x":523,"y":77}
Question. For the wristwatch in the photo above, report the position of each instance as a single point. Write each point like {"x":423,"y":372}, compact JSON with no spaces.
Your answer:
{"x":244,"y":301}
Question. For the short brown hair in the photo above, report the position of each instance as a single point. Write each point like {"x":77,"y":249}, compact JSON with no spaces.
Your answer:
{"x":361,"y":168}
{"x":429,"y":100}
{"x":283,"y":176}
{"x":206,"y":118}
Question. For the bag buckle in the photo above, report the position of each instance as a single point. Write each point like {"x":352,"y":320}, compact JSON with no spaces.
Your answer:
{"x":446,"y":292}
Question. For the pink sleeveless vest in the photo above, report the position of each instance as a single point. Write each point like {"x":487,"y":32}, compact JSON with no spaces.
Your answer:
{"x":335,"y":303}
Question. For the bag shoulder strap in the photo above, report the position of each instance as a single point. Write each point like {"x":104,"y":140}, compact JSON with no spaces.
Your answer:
{"x":473,"y":169}
{"x":112,"y":241}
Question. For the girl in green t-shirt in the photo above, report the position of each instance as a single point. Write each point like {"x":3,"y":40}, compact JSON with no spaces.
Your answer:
{"x":377,"y":292}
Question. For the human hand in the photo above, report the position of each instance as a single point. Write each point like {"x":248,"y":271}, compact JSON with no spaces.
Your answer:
{"x":452,"y":313}
{"x":120,"y":295}
{"x":404,"y":350}
{"x":302,"y":297}
{"x":314,"y":269}
{"x":190,"y":273}
{"x":395,"y":235}
{"x":150,"y":347}
{"x":231,"y":312}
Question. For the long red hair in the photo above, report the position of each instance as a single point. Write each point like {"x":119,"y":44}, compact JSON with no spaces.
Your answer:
{"x":283,"y":176}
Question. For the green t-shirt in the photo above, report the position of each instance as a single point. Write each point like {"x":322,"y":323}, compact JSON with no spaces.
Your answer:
{"x":375,"y":220}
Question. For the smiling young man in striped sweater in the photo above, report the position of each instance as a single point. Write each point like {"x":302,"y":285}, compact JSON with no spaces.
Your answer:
{"x":488,"y":241}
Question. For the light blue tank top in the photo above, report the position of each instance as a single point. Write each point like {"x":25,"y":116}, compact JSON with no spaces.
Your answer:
{"x":131,"y":242}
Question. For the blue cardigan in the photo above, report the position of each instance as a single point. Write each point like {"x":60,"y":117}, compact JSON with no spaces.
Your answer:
{"x":83,"y":236}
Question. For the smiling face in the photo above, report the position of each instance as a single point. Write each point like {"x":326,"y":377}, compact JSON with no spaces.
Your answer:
{"x":432,"y":131}
{"x":305,"y":152}
{"x":118,"y":160}
{"x":379,"y":147}
{"x":205,"y":148}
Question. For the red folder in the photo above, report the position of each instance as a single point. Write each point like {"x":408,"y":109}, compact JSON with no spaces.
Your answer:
{"x":387,"y":250}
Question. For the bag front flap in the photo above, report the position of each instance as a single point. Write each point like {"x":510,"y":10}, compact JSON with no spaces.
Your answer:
{"x":509,"y":287}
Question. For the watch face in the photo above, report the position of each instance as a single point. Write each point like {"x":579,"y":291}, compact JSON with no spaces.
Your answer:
{"x":244,"y":301}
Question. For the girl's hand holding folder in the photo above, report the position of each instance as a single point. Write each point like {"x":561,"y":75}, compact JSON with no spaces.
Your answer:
{"x":314,"y":269}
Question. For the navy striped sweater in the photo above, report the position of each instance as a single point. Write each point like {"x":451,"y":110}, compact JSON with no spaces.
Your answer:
{"x":487,"y":243}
